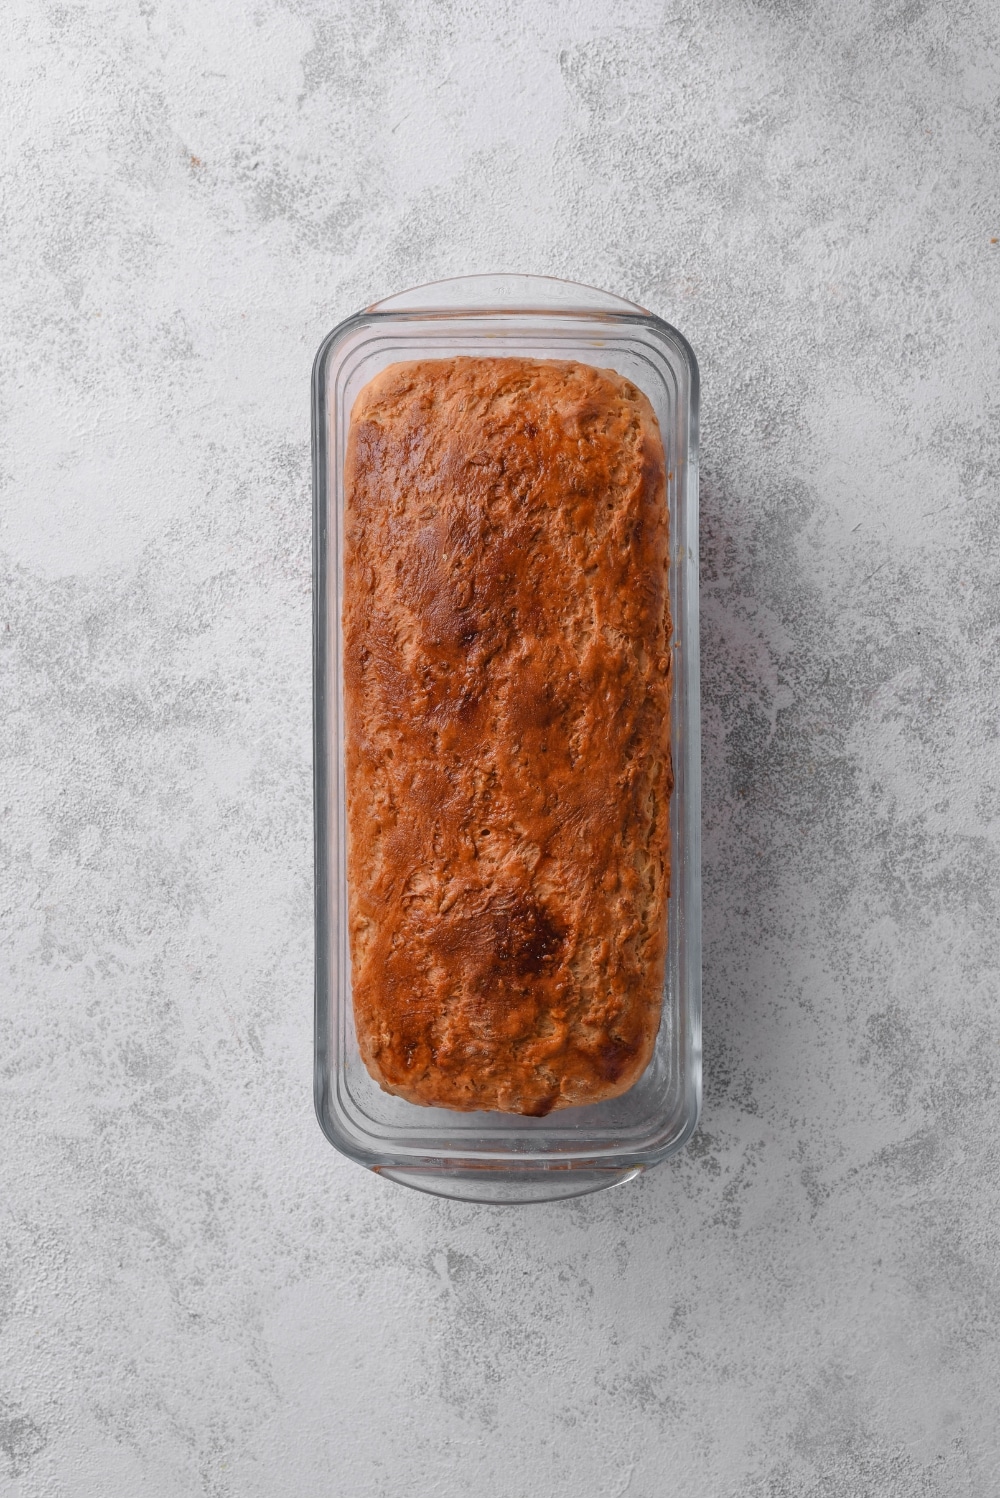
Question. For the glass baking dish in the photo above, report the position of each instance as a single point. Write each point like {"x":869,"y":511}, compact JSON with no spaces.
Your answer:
{"x":493,"y":1157}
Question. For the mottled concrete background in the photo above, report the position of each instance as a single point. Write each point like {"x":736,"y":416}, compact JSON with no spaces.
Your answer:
{"x":196,"y":1295}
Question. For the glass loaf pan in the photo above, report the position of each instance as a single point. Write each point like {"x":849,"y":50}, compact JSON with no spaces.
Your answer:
{"x":492,"y":1157}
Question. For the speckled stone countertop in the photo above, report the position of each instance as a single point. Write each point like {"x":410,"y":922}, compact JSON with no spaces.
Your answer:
{"x":197,"y":1296}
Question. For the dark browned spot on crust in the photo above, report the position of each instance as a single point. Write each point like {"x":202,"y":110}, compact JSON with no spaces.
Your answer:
{"x":543,"y":1106}
{"x":525,"y":938}
{"x":613,"y":1058}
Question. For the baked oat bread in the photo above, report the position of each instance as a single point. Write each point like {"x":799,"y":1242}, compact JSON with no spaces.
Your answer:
{"x":507,"y":694}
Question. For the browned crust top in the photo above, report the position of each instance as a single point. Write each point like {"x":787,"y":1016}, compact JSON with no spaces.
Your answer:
{"x":507,"y":696}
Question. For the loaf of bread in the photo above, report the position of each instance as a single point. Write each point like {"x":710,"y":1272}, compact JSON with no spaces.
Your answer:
{"x":507,"y":675}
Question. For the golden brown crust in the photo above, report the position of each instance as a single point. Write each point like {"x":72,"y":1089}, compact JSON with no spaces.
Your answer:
{"x":507,"y":693}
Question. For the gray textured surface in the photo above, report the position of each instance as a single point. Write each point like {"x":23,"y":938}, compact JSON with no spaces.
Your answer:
{"x":196,"y":1295}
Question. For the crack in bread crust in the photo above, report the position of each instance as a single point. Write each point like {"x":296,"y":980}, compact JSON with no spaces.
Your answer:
{"x":507,"y":680}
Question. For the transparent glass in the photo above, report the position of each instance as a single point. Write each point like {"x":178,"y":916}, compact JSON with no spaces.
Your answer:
{"x":493,"y":1157}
